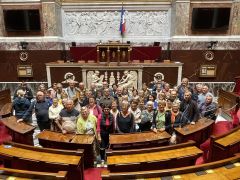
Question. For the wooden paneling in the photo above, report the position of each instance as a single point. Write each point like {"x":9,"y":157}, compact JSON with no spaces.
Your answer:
{"x":227,"y":62}
{"x":10,"y":59}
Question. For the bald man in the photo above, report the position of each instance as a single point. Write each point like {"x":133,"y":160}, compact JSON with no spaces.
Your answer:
{"x":40,"y":106}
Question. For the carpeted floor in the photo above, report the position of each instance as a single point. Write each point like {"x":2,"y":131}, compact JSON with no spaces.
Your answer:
{"x":93,"y":173}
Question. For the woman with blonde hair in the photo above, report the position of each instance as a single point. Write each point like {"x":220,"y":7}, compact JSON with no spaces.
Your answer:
{"x":125,"y":120}
{"x":161,"y":118}
{"x":21,"y":105}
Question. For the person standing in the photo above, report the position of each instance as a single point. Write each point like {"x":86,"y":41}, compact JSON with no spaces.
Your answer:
{"x":27,"y":91}
{"x":40,"y":106}
{"x":21,"y":105}
{"x":105,"y":127}
{"x":67,"y":118}
{"x":86,"y":123}
{"x":189,"y":108}
{"x":125,"y":120}
{"x":147,"y":117}
{"x":161,"y":118}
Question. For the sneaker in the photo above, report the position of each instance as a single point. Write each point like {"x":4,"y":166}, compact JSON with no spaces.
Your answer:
{"x":102,"y":163}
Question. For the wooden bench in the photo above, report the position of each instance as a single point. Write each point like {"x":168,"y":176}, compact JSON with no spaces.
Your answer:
{"x":20,"y":132}
{"x":56,"y":140}
{"x":198,"y":132}
{"x":5,"y":103}
{"x":139,"y":140}
{"x":19,"y":156}
{"x":223,"y":169}
{"x":225,"y":146}
{"x":7,"y":173}
{"x":184,"y":154}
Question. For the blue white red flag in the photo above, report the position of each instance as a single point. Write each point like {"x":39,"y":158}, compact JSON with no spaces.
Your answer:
{"x":122,"y":28}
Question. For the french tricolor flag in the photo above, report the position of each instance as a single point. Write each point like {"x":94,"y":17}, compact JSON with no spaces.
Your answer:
{"x":122,"y":28}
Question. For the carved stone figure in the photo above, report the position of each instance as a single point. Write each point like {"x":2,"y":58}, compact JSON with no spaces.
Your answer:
{"x":93,"y":77}
{"x":128,"y":79}
{"x":111,"y":79}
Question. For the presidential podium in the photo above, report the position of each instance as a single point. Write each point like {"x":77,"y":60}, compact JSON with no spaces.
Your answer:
{"x":113,"y":52}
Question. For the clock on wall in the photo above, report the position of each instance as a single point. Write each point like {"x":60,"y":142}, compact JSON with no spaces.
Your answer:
{"x":23,"y":56}
{"x":209,"y":55}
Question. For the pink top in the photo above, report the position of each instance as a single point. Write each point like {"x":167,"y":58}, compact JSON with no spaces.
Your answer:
{"x":99,"y":122}
{"x":95,"y":110}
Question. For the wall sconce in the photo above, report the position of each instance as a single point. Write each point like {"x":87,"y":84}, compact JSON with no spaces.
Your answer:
{"x":24,"y":45}
{"x":74,"y":44}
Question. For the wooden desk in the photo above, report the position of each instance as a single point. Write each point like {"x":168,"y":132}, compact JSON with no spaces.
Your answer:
{"x":153,"y":158}
{"x":57,"y":140}
{"x":7,"y":173}
{"x":5,"y":103}
{"x":20,"y":132}
{"x":19,"y":156}
{"x":198,"y":132}
{"x":227,"y":99}
{"x":226,"y":145}
{"x":212,"y":170}
{"x":138,"y":140}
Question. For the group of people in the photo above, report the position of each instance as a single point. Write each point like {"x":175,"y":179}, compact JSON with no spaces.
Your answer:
{"x":115,"y":109}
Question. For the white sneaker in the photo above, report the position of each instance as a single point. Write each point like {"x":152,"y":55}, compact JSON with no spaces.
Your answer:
{"x":102,"y":163}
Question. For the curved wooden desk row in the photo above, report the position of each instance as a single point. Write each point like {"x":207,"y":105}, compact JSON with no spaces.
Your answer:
{"x":19,"y":156}
{"x":20,"y":132}
{"x":172,"y":156}
{"x":199,"y":133}
{"x":223,"y":169}
{"x":50,"y":139}
{"x":225,"y":146}
{"x":5,"y":103}
{"x":57,"y":140}
{"x":7,"y":173}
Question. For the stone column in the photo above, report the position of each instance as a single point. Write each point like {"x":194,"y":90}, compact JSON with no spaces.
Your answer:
{"x":84,"y":76}
{"x":49,"y":80}
{"x":2,"y":31}
{"x":235,"y":25}
{"x":51,"y":17}
{"x":140,"y":78}
{"x":180,"y":18}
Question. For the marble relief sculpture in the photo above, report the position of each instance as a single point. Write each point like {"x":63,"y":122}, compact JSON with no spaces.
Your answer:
{"x":138,"y":23}
{"x":128,"y":80}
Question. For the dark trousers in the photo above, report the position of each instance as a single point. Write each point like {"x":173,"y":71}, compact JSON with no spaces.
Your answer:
{"x":145,"y":126}
{"x":44,"y":125}
{"x":104,"y":144}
